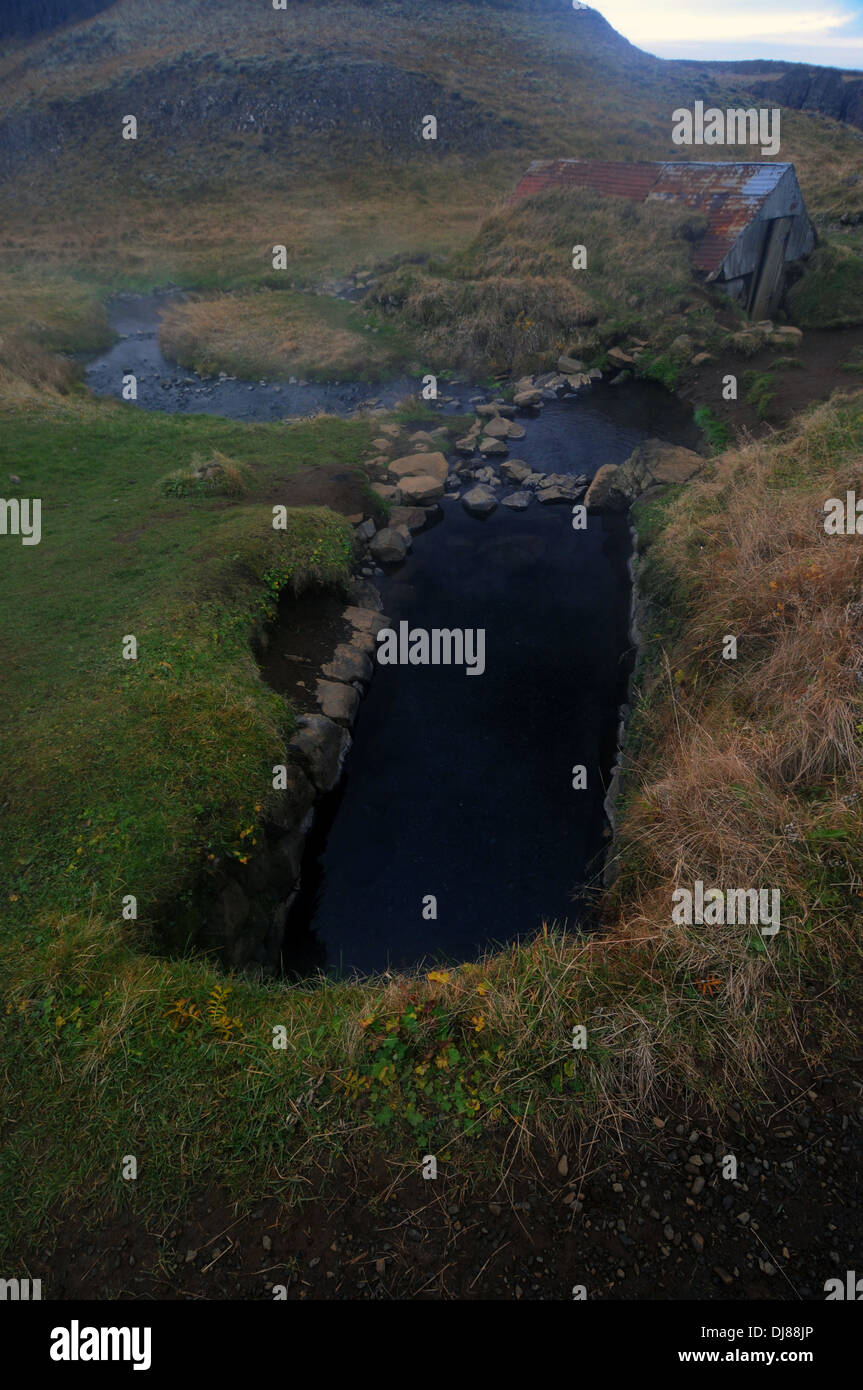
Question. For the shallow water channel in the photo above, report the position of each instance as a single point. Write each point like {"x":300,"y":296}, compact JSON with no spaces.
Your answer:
{"x":460,"y":787}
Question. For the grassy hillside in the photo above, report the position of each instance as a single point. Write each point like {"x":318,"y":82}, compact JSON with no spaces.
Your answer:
{"x":306,"y":131}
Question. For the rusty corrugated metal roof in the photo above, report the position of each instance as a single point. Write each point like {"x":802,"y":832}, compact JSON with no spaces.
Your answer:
{"x":728,"y":194}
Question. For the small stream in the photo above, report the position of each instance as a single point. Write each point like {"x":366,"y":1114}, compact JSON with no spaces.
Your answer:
{"x":460,"y":787}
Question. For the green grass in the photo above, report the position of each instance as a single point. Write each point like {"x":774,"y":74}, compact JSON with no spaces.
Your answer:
{"x":715,"y":431}
{"x":830,"y":293}
{"x":760,"y":391}
{"x":108,"y":765}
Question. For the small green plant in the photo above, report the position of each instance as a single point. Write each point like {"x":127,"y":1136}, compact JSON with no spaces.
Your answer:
{"x":760,"y":391}
{"x":216,"y":476}
{"x":660,"y":367}
{"x":715,"y":431}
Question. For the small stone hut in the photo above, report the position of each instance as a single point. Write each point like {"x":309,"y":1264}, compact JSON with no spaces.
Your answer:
{"x":757,"y":224}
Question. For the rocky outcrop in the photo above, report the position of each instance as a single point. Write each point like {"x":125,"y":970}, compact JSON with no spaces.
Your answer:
{"x":653,"y":464}
{"x":815,"y":89}
{"x":276,"y":103}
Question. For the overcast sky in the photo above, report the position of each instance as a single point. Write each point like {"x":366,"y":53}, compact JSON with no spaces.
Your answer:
{"x":804,"y":31}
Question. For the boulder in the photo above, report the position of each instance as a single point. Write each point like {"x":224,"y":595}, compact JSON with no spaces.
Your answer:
{"x":528,"y":400}
{"x":490,"y":447}
{"x":514,"y":471}
{"x":479,"y":500}
{"x":365,"y":530}
{"x":338,"y":702}
{"x":382,"y":445}
{"x":363,"y":642}
{"x":604,"y":493}
{"x":487,"y":412}
{"x":486,"y":475}
{"x":414,"y":518}
{"x":427,"y":465}
{"x":387,"y":492}
{"x":295,"y":800}
{"x":467,"y":445}
{"x":653,"y":464}
{"x":659,"y":462}
{"x":388,"y":546}
{"x":421,"y":490}
{"x":568,"y":365}
{"x":560,"y":487}
{"x":365,"y":619}
{"x":286,"y":858}
{"x":504,"y":429}
{"x":348,"y":664}
{"x":321,"y":746}
{"x":363,"y":594}
{"x":517,"y":501}
{"x":619,"y":357}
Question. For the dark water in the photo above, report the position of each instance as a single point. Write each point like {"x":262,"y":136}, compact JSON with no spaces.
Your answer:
{"x":457,"y":786}
{"x":163,"y":385}
{"x":460,"y":786}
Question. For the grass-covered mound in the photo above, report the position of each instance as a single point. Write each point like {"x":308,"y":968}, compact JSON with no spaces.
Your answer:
{"x":513,"y":299}
{"x":830,"y":291}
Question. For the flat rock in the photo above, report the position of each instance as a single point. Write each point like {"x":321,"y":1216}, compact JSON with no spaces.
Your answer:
{"x":466,"y":445}
{"x":414,"y":518}
{"x":321,"y":746}
{"x":560,"y":487}
{"x":555,"y":493}
{"x":514,"y":471}
{"x":517,"y":501}
{"x":527,"y":400}
{"x":365,"y":619}
{"x":427,"y":465}
{"x":387,"y":492}
{"x":487,"y":412}
{"x":348,"y":664}
{"x":388,"y":546}
{"x":490,"y":447}
{"x":479,"y":500}
{"x":338,"y":702}
{"x":421,"y":490}
{"x":504,"y":429}
{"x":567,"y":365}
